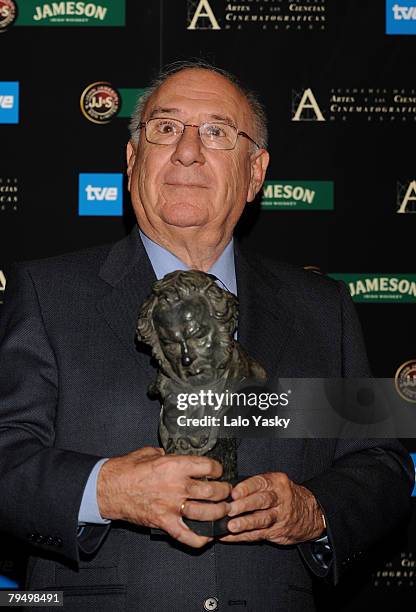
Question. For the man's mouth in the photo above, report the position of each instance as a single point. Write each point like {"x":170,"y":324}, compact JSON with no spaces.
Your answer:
{"x":184,"y":184}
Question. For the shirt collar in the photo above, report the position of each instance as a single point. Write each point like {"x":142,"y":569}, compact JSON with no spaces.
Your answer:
{"x":163,"y":262}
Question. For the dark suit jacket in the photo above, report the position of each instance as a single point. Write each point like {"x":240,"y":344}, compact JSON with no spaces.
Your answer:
{"x":73,"y":389}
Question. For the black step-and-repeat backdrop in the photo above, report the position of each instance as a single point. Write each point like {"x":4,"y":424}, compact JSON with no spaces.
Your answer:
{"x":338,"y":82}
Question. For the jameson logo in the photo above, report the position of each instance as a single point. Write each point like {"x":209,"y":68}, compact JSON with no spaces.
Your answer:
{"x":384,"y":288}
{"x":66,"y":9}
{"x":102,"y":13}
{"x":298,"y":195}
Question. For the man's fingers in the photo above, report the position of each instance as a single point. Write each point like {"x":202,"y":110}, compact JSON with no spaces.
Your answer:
{"x":198,"y":467}
{"x":249,"y":486}
{"x":212,"y":490}
{"x":181,"y":532}
{"x":247,"y":536}
{"x":250,"y":522}
{"x":205,"y":512}
{"x":257,"y":535}
{"x":256,"y":501}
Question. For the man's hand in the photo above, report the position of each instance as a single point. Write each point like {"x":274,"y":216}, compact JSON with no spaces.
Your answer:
{"x":280,"y":511}
{"x":149,"y":488}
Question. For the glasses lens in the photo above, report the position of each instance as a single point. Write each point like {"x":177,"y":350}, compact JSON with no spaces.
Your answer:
{"x":218,"y":135}
{"x":163,"y":131}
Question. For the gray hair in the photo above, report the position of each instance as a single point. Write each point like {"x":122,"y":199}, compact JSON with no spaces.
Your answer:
{"x":256,"y":107}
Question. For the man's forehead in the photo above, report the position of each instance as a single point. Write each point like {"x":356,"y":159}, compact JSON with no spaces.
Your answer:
{"x":171,"y":111}
{"x":198,"y":91}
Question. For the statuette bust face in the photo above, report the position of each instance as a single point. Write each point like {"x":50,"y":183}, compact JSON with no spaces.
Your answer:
{"x":191,"y":340}
{"x":189,"y":322}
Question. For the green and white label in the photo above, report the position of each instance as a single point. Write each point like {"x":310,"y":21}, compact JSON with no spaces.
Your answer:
{"x":298,"y":195}
{"x":377,"y":288}
{"x":129,"y":99}
{"x":98,"y":13}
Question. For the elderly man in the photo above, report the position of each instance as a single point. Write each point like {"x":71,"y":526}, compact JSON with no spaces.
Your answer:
{"x":82,"y":477}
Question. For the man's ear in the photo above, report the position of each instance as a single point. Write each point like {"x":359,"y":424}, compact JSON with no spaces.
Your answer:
{"x":131,"y":158}
{"x":259,"y":162}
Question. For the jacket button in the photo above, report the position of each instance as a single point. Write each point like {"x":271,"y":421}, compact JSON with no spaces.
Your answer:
{"x":211,"y":603}
{"x":49,"y":541}
{"x":58,"y":542}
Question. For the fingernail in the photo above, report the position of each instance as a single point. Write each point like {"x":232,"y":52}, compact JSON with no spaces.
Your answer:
{"x":232,"y":511}
{"x":234,"y":525}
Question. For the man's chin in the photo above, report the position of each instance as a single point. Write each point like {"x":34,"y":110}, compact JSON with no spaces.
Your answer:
{"x":185,"y":215}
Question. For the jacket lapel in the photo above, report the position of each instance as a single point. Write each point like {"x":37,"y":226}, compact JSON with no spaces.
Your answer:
{"x":266,"y":324}
{"x":129,"y":272}
{"x":265,"y":319}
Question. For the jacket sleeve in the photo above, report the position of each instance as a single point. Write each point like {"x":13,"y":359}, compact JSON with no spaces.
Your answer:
{"x":41,"y":486}
{"x":366,"y":491}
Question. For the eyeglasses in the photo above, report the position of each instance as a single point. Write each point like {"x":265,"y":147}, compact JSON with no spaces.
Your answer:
{"x":213,"y":135}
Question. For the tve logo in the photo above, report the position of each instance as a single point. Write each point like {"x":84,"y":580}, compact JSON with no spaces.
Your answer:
{"x":413,"y":456}
{"x":100,"y":195}
{"x":9,"y":102}
{"x":7,"y":583}
{"x":400,"y":16}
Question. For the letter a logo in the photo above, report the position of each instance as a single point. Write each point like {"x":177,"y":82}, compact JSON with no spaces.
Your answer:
{"x":410,"y":196}
{"x":307,"y":109}
{"x":203,"y":11}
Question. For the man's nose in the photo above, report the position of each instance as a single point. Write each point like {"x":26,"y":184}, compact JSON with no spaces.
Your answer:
{"x":189,"y":148}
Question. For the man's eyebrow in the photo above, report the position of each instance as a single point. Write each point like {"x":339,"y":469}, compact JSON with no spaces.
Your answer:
{"x":163,"y":110}
{"x":224,"y":119}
